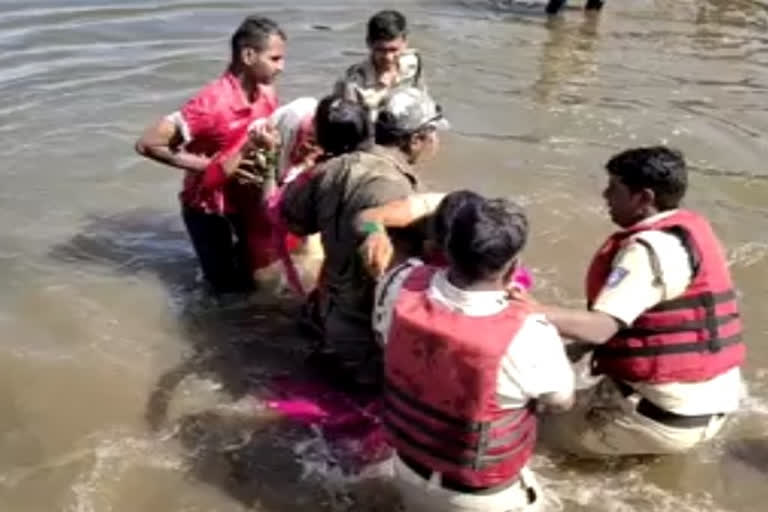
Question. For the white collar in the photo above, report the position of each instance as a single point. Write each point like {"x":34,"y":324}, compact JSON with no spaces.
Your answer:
{"x":471,"y":303}
{"x":654,"y":218}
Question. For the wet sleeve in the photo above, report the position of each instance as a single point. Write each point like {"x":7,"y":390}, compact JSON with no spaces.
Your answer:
{"x":651,"y":268}
{"x":197,"y":118}
{"x":535,"y":364}
{"x":298,"y":205}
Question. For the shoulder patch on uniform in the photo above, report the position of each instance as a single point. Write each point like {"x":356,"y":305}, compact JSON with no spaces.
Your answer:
{"x":616,"y":276}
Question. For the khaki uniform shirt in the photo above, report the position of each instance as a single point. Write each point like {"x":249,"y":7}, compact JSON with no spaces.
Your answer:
{"x":328,"y":204}
{"x":361,"y":83}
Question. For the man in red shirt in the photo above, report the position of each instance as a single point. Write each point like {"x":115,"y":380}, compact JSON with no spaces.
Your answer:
{"x":188,"y":138}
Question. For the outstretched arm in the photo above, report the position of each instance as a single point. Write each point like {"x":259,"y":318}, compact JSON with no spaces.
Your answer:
{"x":371,"y":224}
{"x":162,"y":142}
{"x":400,"y":213}
{"x":592,"y":327}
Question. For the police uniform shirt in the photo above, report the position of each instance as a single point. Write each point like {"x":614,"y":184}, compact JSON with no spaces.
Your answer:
{"x":643,"y":275}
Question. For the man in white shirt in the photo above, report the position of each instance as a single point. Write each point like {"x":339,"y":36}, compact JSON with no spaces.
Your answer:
{"x":465,"y":366}
{"x":662,"y":318}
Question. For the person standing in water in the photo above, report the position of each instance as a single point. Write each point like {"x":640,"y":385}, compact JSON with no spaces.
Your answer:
{"x":264,"y":171}
{"x":390,"y":64}
{"x":311,"y":132}
{"x":189,"y":138}
{"x":662,"y":319}
{"x":406,"y":134}
{"x":554,"y":6}
{"x":464,"y":365}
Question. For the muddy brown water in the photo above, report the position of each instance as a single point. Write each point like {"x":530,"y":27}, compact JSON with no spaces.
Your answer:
{"x":104,"y":324}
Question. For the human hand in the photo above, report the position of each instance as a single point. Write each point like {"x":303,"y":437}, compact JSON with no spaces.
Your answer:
{"x":263,"y":136}
{"x":376,"y":252}
{"x":516,"y":292}
{"x":246,"y":177}
{"x":249,"y":166}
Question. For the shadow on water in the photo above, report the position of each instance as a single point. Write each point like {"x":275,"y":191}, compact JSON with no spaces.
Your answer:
{"x":134,"y":242}
{"x":240,"y":343}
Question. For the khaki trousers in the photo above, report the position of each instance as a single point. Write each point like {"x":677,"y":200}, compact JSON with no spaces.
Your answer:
{"x":604,"y":422}
{"x":421,"y":495}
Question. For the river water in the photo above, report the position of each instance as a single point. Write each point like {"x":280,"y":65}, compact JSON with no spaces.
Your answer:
{"x":106,"y":332}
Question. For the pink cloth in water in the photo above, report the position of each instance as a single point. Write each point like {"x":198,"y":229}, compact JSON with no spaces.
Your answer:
{"x":351,"y":427}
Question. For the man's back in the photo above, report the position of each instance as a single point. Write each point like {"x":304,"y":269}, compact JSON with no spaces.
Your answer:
{"x":329,"y":204}
{"x":355,"y":182}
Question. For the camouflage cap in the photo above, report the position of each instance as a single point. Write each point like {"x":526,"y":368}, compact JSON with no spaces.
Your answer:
{"x":409,"y":109}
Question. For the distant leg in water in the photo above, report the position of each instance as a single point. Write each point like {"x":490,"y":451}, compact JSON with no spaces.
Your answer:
{"x":554,"y":6}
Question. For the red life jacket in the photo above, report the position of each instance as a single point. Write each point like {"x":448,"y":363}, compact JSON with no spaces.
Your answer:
{"x":692,"y":338}
{"x":440,"y":395}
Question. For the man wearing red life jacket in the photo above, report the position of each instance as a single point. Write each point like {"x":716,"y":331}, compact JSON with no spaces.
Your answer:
{"x":205,"y":124}
{"x":662,"y":318}
{"x":463,"y":367}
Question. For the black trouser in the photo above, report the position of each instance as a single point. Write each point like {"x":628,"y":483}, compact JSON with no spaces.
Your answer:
{"x":554,"y":6}
{"x":220,"y":245}
{"x":349,"y":358}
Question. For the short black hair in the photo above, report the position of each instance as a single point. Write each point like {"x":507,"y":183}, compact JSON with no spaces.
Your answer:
{"x":485,"y":236}
{"x":386,"y":26}
{"x":446,"y":212}
{"x":658,"y":168}
{"x":254,"y":32}
{"x":341,"y":126}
